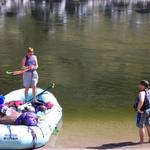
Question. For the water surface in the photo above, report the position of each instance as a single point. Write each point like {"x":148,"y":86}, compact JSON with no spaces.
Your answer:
{"x":95,"y":51}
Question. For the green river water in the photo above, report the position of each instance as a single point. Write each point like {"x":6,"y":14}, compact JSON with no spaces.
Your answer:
{"x":94,"y":51}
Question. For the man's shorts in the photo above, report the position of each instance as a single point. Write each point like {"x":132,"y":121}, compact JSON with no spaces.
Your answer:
{"x":142,"y":120}
{"x":30,"y":79}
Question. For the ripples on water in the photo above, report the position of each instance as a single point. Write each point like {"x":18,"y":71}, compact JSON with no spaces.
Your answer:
{"x":96,"y":51}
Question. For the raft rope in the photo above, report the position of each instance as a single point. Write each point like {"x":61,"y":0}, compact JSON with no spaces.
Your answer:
{"x":41,"y":130}
{"x":10,"y":133}
{"x":34,"y":137}
{"x":49,"y":126}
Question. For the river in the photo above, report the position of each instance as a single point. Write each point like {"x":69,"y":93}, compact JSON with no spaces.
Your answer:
{"x":95,"y":51}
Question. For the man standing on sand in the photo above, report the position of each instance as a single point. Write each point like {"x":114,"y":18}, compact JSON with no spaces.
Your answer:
{"x":142,"y":118}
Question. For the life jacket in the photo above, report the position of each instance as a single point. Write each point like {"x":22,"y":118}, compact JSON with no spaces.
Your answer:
{"x":147,"y":99}
{"x":2,"y":98}
{"x":49,"y":105}
{"x":135,"y":105}
{"x":27,"y":118}
{"x":29,"y":61}
{"x":146,"y":104}
{"x":15,"y":104}
{"x":40,"y":106}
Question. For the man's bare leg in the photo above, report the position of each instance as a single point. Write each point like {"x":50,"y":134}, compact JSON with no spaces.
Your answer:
{"x":141,"y":134}
{"x":148,"y":131}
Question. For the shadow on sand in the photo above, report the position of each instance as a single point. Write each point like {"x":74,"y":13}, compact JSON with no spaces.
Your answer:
{"x":114,"y":145}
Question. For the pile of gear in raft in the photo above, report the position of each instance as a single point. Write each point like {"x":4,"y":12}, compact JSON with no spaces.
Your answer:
{"x":31,"y":113}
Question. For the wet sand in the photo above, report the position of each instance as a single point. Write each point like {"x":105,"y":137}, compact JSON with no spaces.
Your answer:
{"x":77,"y":135}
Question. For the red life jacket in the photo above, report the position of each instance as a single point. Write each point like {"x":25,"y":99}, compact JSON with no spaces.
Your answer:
{"x":15,"y":103}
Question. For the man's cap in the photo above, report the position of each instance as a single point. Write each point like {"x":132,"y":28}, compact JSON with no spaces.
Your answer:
{"x":145,"y":83}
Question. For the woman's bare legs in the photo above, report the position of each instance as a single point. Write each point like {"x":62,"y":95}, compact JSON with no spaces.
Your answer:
{"x":34,"y":93}
{"x":26,"y":93}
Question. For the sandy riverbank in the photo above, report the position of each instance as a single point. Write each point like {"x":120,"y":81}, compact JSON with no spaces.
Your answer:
{"x":96,"y":135}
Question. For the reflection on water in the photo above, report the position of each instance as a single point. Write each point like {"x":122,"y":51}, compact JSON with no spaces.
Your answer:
{"x":43,"y":8}
{"x":58,"y":12}
{"x":95,"y":50}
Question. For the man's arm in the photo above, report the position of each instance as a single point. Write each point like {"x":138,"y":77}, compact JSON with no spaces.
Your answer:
{"x":141,"y":101}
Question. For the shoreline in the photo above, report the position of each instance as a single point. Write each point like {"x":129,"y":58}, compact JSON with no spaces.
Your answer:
{"x":81,"y":136}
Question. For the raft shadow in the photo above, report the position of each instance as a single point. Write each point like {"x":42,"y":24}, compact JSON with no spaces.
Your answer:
{"x":114,"y":145}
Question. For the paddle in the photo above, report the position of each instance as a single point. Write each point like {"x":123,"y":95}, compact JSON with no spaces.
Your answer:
{"x":51,"y":86}
{"x":17,"y":72}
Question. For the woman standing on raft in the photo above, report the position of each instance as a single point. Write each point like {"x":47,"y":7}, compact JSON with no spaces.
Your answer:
{"x":30,"y":77}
